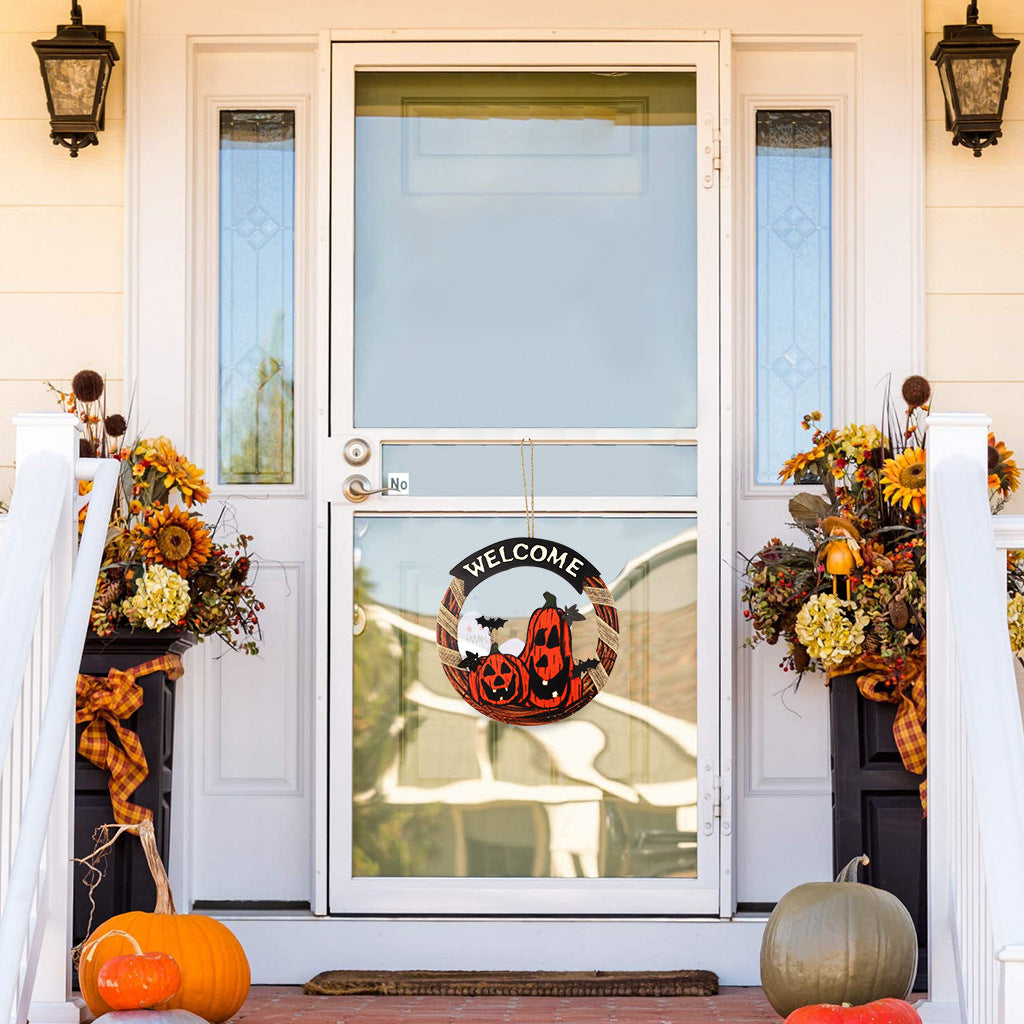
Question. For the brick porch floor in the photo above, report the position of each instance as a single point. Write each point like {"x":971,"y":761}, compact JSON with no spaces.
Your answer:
{"x":273,"y":1004}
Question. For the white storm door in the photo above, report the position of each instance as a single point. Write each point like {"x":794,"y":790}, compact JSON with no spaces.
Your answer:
{"x":524,"y":244}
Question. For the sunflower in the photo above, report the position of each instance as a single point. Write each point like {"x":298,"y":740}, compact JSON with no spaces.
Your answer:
{"x":1003,"y":474}
{"x":904,"y":480}
{"x":170,"y":536}
{"x":160,"y":454}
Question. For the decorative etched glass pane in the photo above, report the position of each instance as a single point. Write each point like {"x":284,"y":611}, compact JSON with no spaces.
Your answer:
{"x":525,"y":249}
{"x":794,"y":280}
{"x":257,"y":296}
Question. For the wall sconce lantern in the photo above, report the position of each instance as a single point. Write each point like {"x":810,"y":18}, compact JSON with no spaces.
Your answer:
{"x":76,"y":65}
{"x":974,"y":69}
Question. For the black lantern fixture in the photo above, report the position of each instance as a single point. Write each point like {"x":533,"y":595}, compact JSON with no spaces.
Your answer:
{"x":76,"y":65}
{"x":974,"y":69}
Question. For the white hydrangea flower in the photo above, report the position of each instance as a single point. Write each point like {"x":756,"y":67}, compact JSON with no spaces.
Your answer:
{"x":161,"y":599}
{"x":831,"y":629}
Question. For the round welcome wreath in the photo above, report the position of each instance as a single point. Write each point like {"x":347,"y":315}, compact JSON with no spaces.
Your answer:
{"x":517,"y":553}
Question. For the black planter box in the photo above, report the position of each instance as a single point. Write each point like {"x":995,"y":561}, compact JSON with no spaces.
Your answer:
{"x":127,"y":884}
{"x":876,"y":806}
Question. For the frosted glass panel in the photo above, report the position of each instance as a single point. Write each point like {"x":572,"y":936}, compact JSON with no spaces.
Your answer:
{"x":525,"y":249}
{"x":560,"y":470}
{"x":794,"y":280}
{"x":441,"y":791}
{"x":257,"y":300}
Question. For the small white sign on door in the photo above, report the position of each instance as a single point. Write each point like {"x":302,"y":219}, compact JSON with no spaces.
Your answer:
{"x":398,"y":483}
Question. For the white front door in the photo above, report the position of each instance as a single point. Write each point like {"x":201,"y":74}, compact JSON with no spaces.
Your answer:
{"x":525,"y":244}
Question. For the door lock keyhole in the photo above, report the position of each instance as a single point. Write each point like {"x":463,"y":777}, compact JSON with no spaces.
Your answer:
{"x":356,"y":452}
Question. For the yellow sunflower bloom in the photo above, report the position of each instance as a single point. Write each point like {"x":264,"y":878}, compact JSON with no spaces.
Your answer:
{"x":903,"y":480}
{"x":160,"y":454}
{"x":1004,"y":476}
{"x":170,"y":536}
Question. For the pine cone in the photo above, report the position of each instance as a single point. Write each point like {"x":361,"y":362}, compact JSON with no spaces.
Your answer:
{"x":107,"y":593}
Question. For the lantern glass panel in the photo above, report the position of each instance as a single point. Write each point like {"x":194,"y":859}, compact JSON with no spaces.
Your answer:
{"x":948,"y":91}
{"x":979,"y":84}
{"x":73,"y":82}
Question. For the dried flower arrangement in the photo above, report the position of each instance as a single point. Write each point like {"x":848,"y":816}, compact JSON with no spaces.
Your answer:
{"x":163,"y":565}
{"x":852,"y":595}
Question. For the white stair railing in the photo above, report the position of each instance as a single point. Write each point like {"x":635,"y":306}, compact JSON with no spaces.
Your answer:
{"x":44,"y":608}
{"x":975,"y":742}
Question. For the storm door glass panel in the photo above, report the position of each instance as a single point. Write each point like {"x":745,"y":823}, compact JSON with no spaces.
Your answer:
{"x":438,"y":470}
{"x":794,"y":281}
{"x":441,"y":791}
{"x":517,"y":234}
{"x":257,"y":297}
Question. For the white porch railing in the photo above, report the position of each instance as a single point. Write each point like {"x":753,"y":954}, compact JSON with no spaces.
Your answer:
{"x":975,"y":741}
{"x":46,"y":593}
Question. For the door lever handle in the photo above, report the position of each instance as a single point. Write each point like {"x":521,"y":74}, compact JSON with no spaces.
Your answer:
{"x":357,"y":488}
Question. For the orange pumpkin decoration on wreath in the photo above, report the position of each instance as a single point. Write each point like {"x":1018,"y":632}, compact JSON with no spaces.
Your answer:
{"x":548,"y":656}
{"x":214,"y":969}
{"x":499,"y":679}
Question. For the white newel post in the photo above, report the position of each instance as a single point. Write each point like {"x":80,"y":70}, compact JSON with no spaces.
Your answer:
{"x":948,"y":434}
{"x":52,"y":1001}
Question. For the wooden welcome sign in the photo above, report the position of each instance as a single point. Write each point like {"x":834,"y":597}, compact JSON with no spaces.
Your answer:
{"x":545,"y":682}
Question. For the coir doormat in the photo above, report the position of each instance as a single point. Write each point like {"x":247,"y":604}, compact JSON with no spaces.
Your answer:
{"x":513,"y":983}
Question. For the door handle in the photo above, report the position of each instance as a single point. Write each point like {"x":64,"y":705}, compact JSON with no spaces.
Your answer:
{"x":357,"y":488}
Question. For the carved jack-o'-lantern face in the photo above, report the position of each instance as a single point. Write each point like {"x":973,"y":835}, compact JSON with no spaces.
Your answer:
{"x":498,"y":679}
{"x":548,"y":657}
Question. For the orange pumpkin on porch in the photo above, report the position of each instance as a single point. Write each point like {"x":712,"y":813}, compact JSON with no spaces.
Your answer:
{"x":882,"y":1011}
{"x":214,"y":969}
{"x":138,"y":981}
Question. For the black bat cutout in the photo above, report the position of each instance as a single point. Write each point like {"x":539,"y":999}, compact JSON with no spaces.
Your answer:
{"x":487,"y":623}
{"x":583,"y":666}
{"x":470,"y":661}
{"x":573,"y":614}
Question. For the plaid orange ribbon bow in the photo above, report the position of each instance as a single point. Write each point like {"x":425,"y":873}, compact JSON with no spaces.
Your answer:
{"x":875,"y":682}
{"x":103,"y":702}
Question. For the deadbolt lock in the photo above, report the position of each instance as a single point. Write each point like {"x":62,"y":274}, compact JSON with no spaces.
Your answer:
{"x":357,"y":451}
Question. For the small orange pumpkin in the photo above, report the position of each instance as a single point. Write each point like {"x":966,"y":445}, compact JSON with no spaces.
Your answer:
{"x":499,"y":679}
{"x":214,"y":969}
{"x":881,"y":1011}
{"x":138,"y":981}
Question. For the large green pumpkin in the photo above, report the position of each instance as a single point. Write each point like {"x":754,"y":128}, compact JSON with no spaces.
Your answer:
{"x":837,"y":942}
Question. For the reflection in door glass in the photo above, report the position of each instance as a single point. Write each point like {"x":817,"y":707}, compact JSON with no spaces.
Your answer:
{"x":525,"y":249}
{"x":441,"y":791}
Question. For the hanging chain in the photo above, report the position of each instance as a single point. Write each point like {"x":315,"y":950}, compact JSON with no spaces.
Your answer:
{"x":528,"y":495}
